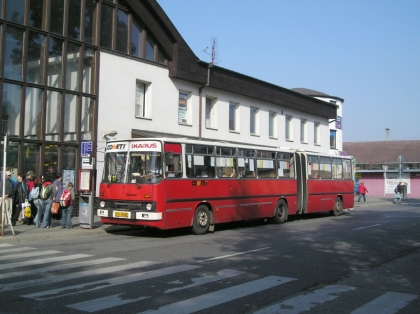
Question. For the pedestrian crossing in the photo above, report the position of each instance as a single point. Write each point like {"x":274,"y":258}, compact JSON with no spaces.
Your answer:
{"x":100,"y":284}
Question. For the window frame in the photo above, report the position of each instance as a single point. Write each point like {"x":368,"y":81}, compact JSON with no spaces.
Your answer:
{"x":288,"y":128}
{"x":146,"y":108}
{"x":233,"y":117}
{"x":254,"y":121}
{"x":211,"y":113}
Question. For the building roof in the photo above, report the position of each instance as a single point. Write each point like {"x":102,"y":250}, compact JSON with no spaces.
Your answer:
{"x":185,"y":65}
{"x":314,"y":93}
{"x":384,"y":152}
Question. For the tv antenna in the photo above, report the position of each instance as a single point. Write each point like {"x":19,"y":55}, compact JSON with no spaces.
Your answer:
{"x":213,"y":52}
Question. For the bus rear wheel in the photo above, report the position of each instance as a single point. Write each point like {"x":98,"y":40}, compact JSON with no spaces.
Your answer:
{"x":201,"y":220}
{"x":280,"y":215}
{"x":338,"y":207}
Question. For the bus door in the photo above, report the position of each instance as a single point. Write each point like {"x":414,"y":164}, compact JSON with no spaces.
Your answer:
{"x":302,"y":188}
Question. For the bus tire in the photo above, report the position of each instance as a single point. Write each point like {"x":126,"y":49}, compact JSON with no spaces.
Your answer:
{"x":281,"y":212}
{"x":338,"y":207}
{"x":201,"y":220}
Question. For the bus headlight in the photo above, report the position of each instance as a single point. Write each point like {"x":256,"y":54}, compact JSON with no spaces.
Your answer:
{"x":102,"y":204}
{"x":149,"y":206}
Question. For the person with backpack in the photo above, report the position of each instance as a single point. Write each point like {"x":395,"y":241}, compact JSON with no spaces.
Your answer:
{"x":46,"y":195}
{"x":66,"y":203}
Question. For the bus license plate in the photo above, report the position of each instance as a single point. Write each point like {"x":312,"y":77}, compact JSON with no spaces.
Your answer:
{"x":121,"y":214}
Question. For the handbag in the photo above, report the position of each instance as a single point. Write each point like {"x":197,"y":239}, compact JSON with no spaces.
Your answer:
{"x":55,"y":207}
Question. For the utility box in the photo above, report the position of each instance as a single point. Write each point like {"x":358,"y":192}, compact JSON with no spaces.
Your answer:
{"x":86,"y":211}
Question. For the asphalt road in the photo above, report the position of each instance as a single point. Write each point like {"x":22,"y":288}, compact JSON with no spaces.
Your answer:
{"x":365,"y":261}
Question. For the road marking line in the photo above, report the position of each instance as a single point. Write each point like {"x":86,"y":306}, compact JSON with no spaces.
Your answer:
{"x":222,"y":296}
{"x":223,"y":274}
{"x":231,"y":255}
{"x":106,"y":283}
{"x":367,"y":227}
{"x":103,"y":303}
{"x":43,"y":261}
{"x":2,"y":251}
{"x":388,"y":303}
{"x":59,"y":267}
{"x":6,"y":245}
{"x":303,"y":303}
{"x":70,"y":276}
{"x":24,"y":255}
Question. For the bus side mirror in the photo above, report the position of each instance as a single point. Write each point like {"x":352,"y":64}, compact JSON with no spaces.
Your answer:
{"x":169,"y":158}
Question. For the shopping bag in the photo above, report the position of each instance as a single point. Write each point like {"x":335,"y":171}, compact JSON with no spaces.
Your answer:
{"x":55,"y":207}
{"x":26,"y":210}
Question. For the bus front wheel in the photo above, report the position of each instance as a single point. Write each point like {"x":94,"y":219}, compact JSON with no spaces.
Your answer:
{"x":338,"y":207}
{"x":280,"y":215}
{"x":201,"y":221}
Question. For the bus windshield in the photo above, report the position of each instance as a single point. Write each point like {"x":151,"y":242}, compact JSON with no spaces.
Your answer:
{"x":133,"y":167}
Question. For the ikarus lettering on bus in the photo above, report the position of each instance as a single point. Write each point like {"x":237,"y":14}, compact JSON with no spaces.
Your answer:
{"x":149,"y":146}
{"x":117,"y":147}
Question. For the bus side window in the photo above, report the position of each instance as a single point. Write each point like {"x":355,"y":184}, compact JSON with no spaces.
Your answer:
{"x":174,"y":170}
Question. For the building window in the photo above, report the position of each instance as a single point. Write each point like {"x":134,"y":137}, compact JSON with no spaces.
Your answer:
{"x":233,"y":108}
{"x":90,"y":21}
{"x":122,"y":31}
{"x":289,"y":129}
{"x":33,"y":116}
{"x":15,"y":11}
{"x":272,"y":125}
{"x":55,"y":61}
{"x":11,"y":108}
{"x":211,"y":122}
{"x":70,"y":117}
{"x":183,"y":108}
{"x":316,"y":133}
{"x":253,"y":121}
{"x":106,"y":26}
{"x":136,"y":40}
{"x":57,"y":14}
{"x":333,"y":134}
{"x":150,"y":49}
{"x":13,"y":53}
{"x":303,"y":130}
{"x":53,"y":116}
{"x":141,"y":100}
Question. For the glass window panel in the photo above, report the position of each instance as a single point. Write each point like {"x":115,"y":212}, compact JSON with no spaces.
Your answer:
{"x":161,"y":57}
{"x":140,"y":100}
{"x":31,"y":158}
{"x":72,"y":66}
{"x":89,"y":70}
{"x":57,"y":12}
{"x":55,"y":60}
{"x":32,"y":123}
{"x":106,"y":26}
{"x":13,"y":53}
{"x":136,"y":40}
{"x":87,"y":119}
{"x":150,"y":49}
{"x":1,"y":8}
{"x":34,"y":69}
{"x":11,"y":109}
{"x":69,"y":160}
{"x":35,"y":13}
{"x":15,"y":11}
{"x":50,"y":161}
{"x":70,"y":118}
{"x":90,"y":21}
{"x":74,"y":19}
{"x":11,"y":159}
{"x":122,"y":31}
{"x":53,"y":116}
{"x":232,"y":117}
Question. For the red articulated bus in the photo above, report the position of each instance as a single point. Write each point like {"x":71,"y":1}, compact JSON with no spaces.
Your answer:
{"x":169,"y":183}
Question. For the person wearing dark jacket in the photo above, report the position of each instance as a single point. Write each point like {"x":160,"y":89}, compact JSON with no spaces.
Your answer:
{"x":21,"y":196}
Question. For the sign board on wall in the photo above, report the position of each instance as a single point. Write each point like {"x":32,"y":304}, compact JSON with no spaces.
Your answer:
{"x":392,"y":181}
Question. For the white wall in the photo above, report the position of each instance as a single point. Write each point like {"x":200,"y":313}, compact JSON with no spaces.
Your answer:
{"x":117,"y":91}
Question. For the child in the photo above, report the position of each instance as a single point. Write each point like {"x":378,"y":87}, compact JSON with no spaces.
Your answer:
{"x":66,"y":202}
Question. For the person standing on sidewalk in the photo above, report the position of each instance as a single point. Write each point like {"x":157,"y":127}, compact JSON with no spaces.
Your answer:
{"x":21,"y":197}
{"x":398,"y":193}
{"x":37,"y":201}
{"x":58,"y":186}
{"x":66,"y":202}
{"x":46,"y":195}
{"x":362,"y":191}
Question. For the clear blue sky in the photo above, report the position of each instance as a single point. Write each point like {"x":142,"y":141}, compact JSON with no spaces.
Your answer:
{"x":364,"y":51}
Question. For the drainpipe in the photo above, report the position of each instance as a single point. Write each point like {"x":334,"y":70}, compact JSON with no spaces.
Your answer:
{"x":200,"y":101}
